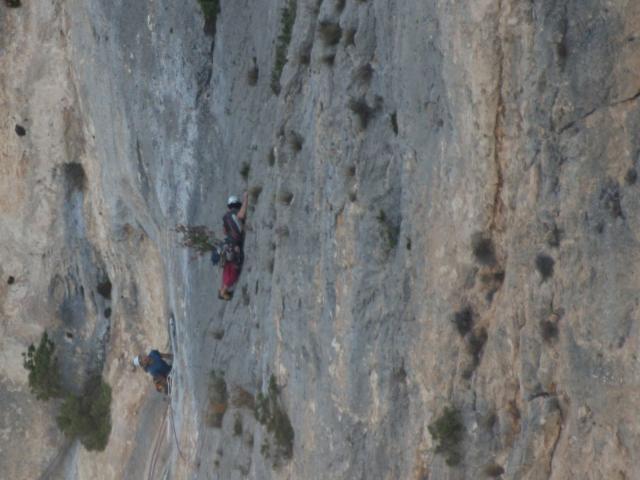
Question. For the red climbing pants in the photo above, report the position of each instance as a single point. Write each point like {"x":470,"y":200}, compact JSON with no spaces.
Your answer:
{"x":230,"y":275}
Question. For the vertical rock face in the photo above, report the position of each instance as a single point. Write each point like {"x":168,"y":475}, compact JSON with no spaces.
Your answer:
{"x":442,"y":202}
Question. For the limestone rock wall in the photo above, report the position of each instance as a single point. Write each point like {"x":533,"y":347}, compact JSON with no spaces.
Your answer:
{"x":494,"y":182}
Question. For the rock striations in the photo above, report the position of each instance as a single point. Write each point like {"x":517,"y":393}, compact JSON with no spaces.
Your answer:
{"x":441,"y":275}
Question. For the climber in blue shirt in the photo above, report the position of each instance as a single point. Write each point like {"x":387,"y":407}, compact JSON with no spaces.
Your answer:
{"x":155,"y":365}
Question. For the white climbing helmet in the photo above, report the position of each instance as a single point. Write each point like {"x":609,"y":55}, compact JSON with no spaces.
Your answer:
{"x":233,"y":200}
{"x":136,"y":360}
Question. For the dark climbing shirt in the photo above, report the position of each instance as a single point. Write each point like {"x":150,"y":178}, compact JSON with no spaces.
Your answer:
{"x":233,"y":227}
{"x":158,"y":366}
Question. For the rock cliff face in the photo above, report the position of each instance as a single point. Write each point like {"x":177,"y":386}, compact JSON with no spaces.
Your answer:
{"x":442,"y":202}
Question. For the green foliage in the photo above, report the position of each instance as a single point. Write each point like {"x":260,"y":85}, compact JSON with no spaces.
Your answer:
{"x":448,"y":431}
{"x":44,"y":373}
{"x":210,"y":10}
{"x":269,"y":412}
{"x":196,"y":237}
{"x":87,"y":417}
{"x":287,"y":20}
{"x":13,"y":3}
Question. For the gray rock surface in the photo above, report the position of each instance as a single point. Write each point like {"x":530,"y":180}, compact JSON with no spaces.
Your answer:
{"x":511,"y":122}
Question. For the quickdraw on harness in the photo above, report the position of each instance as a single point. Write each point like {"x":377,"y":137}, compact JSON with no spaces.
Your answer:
{"x":227,"y":251}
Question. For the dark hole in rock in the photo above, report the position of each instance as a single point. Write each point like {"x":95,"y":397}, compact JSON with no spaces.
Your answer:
{"x":548,"y":330}
{"x":544,"y":264}
{"x":11,"y":280}
{"x":107,"y":313}
{"x":463,"y":320}
{"x":631,"y":177}
{"x":394,"y":123}
{"x":74,"y":175}
{"x":69,"y":335}
{"x":20,"y":131}
{"x":104,"y":289}
{"x":483,"y":249}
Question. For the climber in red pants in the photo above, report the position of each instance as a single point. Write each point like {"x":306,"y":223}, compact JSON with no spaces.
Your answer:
{"x":233,"y":223}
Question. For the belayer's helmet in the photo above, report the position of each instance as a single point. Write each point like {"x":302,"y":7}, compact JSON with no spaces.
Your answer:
{"x":234,"y":202}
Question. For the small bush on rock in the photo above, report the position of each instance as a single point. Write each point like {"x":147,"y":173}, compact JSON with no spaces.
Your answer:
{"x":448,"y":431}
{"x":269,"y":412}
{"x":196,"y":237}
{"x":287,"y":19}
{"x":44,"y":373}
{"x":210,"y":10}
{"x":87,"y":417}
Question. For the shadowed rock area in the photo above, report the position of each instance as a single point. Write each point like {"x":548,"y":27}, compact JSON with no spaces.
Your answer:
{"x":441,"y":248}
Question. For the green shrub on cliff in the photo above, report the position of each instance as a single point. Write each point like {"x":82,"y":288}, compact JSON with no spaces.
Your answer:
{"x":270,"y":413}
{"x":447,"y":431}
{"x":87,"y":417}
{"x":44,"y":374}
{"x":287,"y":20}
{"x":210,"y":10}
